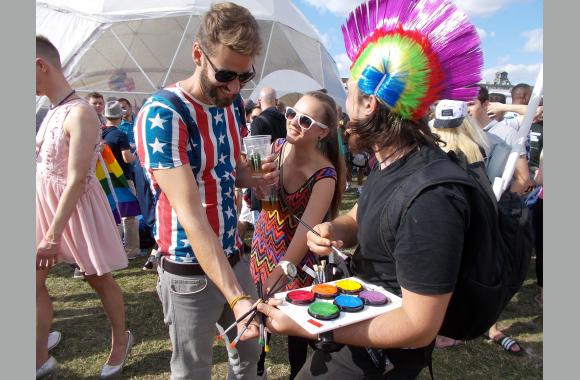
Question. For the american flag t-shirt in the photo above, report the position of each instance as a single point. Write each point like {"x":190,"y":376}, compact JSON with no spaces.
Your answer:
{"x":162,"y":142}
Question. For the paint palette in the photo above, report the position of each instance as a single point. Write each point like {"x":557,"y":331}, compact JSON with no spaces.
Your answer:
{"x":348,"y":301}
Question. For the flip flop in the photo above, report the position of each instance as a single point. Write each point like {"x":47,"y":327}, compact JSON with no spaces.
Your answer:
{"x":508,"y":344}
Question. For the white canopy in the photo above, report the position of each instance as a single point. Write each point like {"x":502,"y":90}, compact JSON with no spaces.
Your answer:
{"x":132,"y":48}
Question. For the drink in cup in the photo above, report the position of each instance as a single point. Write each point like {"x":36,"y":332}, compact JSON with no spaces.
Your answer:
{"x":269,"y":201}
{"x":256,"y":148}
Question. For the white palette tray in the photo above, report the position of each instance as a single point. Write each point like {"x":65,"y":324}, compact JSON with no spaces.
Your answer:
{"x":315,"y":326}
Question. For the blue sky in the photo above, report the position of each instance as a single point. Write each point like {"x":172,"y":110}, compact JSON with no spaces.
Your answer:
{"x":511,"y":32}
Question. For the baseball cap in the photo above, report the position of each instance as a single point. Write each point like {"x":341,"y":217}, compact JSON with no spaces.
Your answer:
{"x":450,"y":113}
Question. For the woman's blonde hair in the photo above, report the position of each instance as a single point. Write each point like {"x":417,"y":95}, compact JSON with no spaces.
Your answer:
{"x":467,"y":139}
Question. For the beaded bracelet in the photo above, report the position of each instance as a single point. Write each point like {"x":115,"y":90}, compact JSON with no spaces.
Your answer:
{"x":235,"y":300}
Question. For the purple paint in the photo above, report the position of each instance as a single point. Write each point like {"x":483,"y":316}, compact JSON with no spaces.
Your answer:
{"x":373,"y":298}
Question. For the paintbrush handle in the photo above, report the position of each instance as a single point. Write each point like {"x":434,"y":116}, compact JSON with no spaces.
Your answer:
{"x":241,"y":318}
{"x":338,"y":252}
{"x":235,"y":341}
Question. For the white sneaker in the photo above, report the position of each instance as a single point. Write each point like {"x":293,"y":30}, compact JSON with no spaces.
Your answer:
{"x":53,"y":339}
{"x":47,"y":368}
{"x":78,"y":274}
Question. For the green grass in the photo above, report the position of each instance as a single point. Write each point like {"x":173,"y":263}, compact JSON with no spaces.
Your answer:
{"x":85,"y":342}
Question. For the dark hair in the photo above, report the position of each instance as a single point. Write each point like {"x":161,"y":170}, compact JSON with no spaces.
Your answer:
{"x":521,"y":86}
{"x":95,"y":95}
{"x":329,"y":147}
{"x":230,"y":25}
{"x":497,"y":97}
{"x":483,"y":95}
{"x":124,"y":100}
{"x":46,"y":50}
{"x":387,"y":129}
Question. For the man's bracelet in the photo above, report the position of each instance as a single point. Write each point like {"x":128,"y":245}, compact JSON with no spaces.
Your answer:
{"x":232,"y":302}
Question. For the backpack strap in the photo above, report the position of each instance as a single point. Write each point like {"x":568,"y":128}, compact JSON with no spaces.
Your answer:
{"x":172,"y":100}
{"x":436,"y":172}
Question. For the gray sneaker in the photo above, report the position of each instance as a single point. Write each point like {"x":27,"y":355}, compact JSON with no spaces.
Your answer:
{"x":53,"y":339}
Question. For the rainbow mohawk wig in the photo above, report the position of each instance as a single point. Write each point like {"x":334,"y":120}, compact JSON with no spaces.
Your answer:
{"x":410,"y":53}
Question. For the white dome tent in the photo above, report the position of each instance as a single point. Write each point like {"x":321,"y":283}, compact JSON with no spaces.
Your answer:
{"x":132,"y":48}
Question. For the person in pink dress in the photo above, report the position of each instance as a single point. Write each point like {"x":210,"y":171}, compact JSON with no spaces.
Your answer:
{"x":74,"y":223}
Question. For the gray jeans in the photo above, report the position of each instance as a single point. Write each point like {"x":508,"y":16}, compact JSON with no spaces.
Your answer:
{"x":192,"y":307}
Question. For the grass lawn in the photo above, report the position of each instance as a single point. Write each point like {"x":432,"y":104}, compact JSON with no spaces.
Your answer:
{"x":86,"y":335}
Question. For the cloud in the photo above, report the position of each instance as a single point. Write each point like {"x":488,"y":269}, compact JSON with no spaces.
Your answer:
{"x":471,"y":7}
{"x":343,"y":64}
{"x":517,"y":73}
{"x":338,"y":7}
{"x":481,"y":8}
{"x":535,"y":42}
{"x":503,"y":60}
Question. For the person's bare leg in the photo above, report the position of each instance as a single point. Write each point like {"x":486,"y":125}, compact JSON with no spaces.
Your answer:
{"x":43,"y":317}
{"x":112,"y":299}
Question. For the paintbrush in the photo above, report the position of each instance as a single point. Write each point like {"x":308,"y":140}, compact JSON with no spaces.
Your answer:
{"x":261,"y":295}
{"x":289,"y":272}
{"x":338,"y":251}
{"x":252,"y":314}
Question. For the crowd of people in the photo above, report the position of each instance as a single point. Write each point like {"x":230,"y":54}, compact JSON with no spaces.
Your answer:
{"x":179,"y":162}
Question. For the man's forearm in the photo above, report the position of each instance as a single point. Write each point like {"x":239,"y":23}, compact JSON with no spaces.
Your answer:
{"x":211,"y":257}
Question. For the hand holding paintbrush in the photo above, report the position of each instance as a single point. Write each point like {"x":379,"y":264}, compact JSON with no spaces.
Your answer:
{"x":289,"y":273}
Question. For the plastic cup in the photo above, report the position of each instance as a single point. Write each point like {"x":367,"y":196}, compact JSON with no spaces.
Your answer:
{"x":256,"y":148}
{"x":269,"y":201}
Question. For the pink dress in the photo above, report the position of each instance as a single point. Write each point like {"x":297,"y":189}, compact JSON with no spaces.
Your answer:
{"x":90,"y":238}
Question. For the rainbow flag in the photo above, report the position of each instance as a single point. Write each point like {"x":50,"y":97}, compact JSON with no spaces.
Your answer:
{"x":122,"y":201}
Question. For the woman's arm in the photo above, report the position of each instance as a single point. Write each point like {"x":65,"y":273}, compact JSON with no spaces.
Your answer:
{"x":316,"y":209}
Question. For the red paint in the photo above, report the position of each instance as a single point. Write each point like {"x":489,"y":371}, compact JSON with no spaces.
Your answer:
{"x":317,"y":324}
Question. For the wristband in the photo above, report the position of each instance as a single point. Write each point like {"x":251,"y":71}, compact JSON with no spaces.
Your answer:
{"x":235,"y":300}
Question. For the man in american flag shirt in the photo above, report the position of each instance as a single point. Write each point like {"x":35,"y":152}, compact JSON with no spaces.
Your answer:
{"x":188,"y":139}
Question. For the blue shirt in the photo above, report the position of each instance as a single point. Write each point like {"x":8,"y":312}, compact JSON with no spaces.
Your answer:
{"x":127,"y":127}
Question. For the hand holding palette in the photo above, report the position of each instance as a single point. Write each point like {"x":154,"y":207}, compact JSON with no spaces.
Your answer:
{"x":324,"y":307}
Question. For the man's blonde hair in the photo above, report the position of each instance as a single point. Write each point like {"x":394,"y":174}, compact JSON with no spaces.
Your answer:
{"x":230,"y":25}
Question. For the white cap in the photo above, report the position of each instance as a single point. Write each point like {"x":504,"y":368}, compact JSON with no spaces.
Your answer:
{"x":450,"y":113}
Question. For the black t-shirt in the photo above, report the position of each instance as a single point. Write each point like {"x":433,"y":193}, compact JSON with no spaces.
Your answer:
{"x":536,"y":144}
{"x":270,"y":122}
{"x":428,"y":244}
{"x":118,"y":141}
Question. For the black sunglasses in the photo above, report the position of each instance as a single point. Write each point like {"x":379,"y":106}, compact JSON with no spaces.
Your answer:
{"x":304,"y":121}
{"x":225,"y":76}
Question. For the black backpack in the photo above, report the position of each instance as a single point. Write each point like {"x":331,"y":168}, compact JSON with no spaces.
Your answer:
{"x":497,"y":245}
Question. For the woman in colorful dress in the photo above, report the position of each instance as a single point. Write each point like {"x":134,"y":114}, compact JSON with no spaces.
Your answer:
{"x":310,"y":165}
{"x":74,"y":223}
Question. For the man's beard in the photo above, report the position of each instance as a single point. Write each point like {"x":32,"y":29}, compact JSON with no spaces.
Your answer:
{"x":211,"y":92}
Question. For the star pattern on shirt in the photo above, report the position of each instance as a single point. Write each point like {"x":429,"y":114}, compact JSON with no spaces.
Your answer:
{"x":229,"y":193}
{"x":231,"y":232}
{"x":156,"y":122}
{"x":157,"y":146}
{"x":222,"y":138}
{"x":159,"y":166}
{"x":187,"y":258}
{"x":185,"y":242}
{"x":218,"y":118}
{"x":226,"y":175}
{"x":230,"y":212}
{"x":222,"y":159}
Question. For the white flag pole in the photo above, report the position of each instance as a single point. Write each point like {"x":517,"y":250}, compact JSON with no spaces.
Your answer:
{"x":501,"y":184}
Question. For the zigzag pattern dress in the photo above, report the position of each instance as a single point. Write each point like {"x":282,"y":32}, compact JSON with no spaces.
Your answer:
{"x":275,"y":229}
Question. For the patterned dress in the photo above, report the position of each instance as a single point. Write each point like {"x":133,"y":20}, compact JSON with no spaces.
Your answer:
{"x":275,"y":229}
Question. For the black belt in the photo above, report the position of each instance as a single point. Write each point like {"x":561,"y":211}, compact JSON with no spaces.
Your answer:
{"x":182,"y":269}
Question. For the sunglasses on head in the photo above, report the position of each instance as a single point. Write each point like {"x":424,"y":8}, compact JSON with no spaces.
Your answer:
{"x":304,"y":121}
{"x":225,"y":76}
